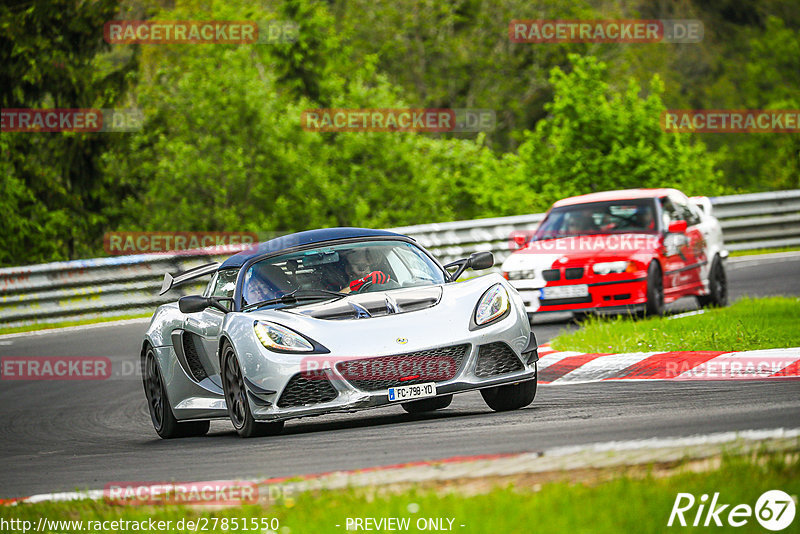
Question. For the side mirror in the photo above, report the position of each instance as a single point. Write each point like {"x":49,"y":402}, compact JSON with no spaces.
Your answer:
{"x":677,"y":227}
{"x":481,"y":260}
{"x":197,"y":303}
{"x":476,"y":260}
{"x":518,"y":240}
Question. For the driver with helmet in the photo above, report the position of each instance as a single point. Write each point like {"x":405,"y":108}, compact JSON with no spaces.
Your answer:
{"x":361,"y":269}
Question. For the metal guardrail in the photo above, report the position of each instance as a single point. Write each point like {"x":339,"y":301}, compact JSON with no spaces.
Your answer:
{"x":128,"y":285}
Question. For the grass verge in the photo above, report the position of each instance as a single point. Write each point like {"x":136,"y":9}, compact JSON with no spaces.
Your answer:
{"x":624,"y":503}
{"x":763,"y":251}
{"x":64,"y":324}
{"x":748,"y":324}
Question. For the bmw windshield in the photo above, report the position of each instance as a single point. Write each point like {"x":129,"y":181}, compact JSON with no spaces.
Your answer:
{"x":621,"y":216}
{"x":329,"y":271}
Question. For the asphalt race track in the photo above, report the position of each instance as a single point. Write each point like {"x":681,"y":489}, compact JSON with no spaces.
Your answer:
{"x":66,"y":435}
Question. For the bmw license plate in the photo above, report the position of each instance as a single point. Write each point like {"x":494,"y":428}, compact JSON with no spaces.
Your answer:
{"x":565,"y":292}
{"x":417,"y":391}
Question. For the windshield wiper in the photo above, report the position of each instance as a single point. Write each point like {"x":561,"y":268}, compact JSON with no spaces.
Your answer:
{"x":295,"y":296}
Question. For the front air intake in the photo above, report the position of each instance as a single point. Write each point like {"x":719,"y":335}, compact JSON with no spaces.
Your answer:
{"x":496,"y":359}
{"x":306,"y":388}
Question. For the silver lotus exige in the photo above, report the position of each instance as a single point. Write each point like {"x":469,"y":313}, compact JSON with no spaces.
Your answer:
{"x":333,"y":320}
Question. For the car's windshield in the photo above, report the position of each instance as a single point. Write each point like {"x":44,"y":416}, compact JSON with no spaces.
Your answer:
{"x":357,"y":267}
{"x":599,"y":218}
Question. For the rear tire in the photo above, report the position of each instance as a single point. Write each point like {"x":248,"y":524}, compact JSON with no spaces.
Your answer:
{"x":236,"y":399}
{"x":717,"y":287}
{"x":510,"y":397}
{"x":164,"y":421}
{"x":428,"y":405}
{"x":655,"y":291}
{"x":580,"y":317}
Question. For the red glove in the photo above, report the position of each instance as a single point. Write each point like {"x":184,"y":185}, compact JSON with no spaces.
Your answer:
{"x":375,"y":277}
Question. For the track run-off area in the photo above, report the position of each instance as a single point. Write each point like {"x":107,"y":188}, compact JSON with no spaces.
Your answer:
{"x":68,"y":435}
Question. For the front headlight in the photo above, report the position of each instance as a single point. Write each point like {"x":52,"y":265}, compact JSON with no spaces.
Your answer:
{"x":611,"y":267}
{"x":280,"y":338}
{"x":493,"y":305}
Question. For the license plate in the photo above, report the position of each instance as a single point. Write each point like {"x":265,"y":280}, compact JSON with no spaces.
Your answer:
{"x":417,"y":391}
{"x":565,"y":292}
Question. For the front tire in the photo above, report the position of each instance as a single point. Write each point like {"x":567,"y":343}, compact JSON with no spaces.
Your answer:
{"x":236,"y":399}
{"x":717,"y":287}
{"x":510,"y":397}
{"x":428,"y":405}
{"x":164,"y":421}
{"x":655,"y":291}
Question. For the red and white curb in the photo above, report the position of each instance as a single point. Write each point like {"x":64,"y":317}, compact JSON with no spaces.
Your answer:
{"x":595,"y":455}
{"x":566,"y":367}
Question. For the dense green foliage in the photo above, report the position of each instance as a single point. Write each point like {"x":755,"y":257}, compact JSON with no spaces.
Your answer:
{"x":222,"y":147}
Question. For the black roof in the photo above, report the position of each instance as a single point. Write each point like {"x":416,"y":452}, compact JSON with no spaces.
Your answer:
{"x":301,"y":238}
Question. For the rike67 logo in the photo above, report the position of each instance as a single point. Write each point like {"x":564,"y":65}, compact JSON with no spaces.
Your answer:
{"x":774,"y":510}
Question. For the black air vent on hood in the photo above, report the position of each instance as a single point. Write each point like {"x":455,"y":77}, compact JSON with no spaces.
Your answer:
{"x":376,"y":304}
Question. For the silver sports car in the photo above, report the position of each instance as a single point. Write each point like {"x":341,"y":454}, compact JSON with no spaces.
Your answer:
{"x":333,"y":320}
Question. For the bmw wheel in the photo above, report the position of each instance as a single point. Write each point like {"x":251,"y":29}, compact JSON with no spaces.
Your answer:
{"x":717,"y":286}
{"x":161,"y":414}
{"x":236,"y":399}
{"x":655,"y":291}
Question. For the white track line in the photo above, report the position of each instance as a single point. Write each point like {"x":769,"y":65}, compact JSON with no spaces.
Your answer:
{"x":77,"y":328}
{"x":557,"y":458}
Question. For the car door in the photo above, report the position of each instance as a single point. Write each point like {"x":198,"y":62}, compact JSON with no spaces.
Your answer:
{"x":706,"y":234}
{"x":695,"y":247}
{"x":683,"y":251}
{"x":676,"y":260}
{"x":202,"y":330}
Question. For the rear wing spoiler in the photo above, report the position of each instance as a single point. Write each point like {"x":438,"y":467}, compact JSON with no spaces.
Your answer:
{"x":703,"y":203}
{"x":171,"y":281}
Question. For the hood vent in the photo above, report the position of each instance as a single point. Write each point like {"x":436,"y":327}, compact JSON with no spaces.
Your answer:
{"x":377,"y":304}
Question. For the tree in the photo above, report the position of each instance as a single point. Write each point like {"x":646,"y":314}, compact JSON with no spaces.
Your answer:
{"x":53,"y":56}
{"x":596,"y":138}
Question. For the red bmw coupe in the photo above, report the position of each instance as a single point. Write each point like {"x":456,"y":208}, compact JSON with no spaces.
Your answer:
{"x":631,"y":250}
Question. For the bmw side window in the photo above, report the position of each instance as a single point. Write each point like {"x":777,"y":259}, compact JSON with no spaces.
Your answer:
{"x":694,"y":215}
{"x":669,"y":212}
{"x":685,"y":212}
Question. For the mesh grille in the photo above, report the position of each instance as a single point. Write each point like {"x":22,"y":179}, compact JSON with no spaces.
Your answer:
{"x":309,"y":387}
{"x":496,"y":359}
{"x":433,"y":365}
{"x":573,"y":273}
{"x":551,"y":275}
{"x":196,"y":368}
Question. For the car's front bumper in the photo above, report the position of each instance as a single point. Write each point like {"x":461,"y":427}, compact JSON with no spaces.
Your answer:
{"x":603,"y":296}
{"x":350,"y":398}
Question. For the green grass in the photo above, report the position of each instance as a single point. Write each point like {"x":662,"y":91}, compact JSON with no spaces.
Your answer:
{"x":64,"y":324}
{"x":748,"y":324}
{"x":763,"y":251}
{"x":641,"y":503}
